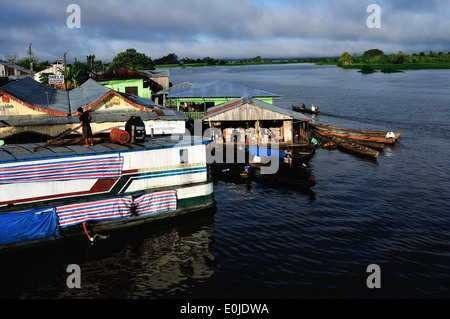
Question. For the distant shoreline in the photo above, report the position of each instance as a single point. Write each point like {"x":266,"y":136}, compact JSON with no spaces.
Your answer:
{"x":401,"y":67}
{"x":357,"y":66}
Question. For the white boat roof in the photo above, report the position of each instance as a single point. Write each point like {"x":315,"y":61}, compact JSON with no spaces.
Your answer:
{"x":26,"y":152}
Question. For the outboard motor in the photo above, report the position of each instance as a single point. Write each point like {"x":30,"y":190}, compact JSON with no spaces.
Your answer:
{"x":136,"y":128}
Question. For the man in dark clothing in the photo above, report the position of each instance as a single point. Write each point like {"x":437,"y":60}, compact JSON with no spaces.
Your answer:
{"x":85,"y":120}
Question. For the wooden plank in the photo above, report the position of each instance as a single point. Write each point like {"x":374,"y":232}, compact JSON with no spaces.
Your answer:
{"x":59,"y":137}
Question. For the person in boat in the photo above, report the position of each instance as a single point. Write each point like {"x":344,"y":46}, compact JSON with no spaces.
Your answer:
{"x":314,"y":108}
{"x":303,"y":106}
{"x":85,"y":121}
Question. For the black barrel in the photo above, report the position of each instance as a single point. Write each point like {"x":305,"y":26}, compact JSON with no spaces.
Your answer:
{"x":136,"y":128}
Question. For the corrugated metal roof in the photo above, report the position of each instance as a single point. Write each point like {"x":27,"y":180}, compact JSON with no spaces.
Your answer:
{"x":86,"y":94}
{"x":148,"y":103}
{"x":23,"y":152}
{"x":18,"y":67}
{"x":157,"y":73}
{"x":38,"y":94}
{"x":219,"y":89}
{"x":35,"y":93}
{"x":224,"y":107}
{"x":97,"y":117}
{"x":166,"y":115}
{"x":178,"y":87}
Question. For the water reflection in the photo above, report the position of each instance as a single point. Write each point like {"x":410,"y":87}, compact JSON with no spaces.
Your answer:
{"x":148,"y":262}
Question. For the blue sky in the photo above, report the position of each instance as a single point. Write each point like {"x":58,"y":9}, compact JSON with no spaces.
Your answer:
{"x":221,"y":28}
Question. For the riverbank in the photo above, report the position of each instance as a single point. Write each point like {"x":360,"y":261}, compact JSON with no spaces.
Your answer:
{"x":400,"y":67}
{"x":238,"y":63}
{"x":386,"y":68}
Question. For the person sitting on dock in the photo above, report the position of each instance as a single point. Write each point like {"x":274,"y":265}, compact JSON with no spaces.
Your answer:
{"x":85,"y":120}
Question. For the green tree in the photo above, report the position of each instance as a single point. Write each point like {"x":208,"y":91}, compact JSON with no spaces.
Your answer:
{"x":257,"y":59}
{"x":43,"y":77}
{"x":78,"y":73}
{"x":345,"y":59}
{"x":171,"y":58}
{"x":367,"y":55}
{"x":209,"y":61}
{"x":131,"y":59}
{"x":92,"y":64}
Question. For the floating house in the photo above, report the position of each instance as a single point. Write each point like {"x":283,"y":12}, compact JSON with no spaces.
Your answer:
{"x":28,"y":107}
{"x":250,"y":120}
{"x":196,"y":100}
{"x":140,"y":83}
{"x":51,"y":193}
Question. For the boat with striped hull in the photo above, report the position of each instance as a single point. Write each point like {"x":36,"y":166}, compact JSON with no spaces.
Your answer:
{"x":56,"y":192}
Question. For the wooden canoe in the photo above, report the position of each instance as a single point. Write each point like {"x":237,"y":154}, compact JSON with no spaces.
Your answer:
{"x":374,"y":145}
{"x":351,"y":145}
{"x":304,"y":110}
{"x":345,"y":130}
{"x":357,"y":137}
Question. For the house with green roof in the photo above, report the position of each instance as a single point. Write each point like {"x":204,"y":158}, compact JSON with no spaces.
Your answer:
{"x":141,"y":83}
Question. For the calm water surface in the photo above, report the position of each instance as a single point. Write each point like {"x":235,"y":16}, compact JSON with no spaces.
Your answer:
{"x":268,"y":242}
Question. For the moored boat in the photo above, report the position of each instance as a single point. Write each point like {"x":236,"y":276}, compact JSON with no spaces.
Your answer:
{"x":259,"y":156}
{"x":304,"y":110}
{"x":296,"y":177}
{"x":374,"y":145}
{"x":387,"y":137}
{"x":357,"y":137}
{"x":350,"y":145}
{"x":51,"y":193}
{"x":304,"y":154}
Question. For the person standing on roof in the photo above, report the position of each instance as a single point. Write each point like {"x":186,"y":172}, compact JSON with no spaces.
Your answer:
{"x":85,"y":120}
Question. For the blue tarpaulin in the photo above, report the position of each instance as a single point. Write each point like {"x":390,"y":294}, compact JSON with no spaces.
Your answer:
{"x":29,"y":225}
{"x":264,"y":152}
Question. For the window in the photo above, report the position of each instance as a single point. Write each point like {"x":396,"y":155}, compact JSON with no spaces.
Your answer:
{"x":131,"y":90}
{"x":183,"y":156}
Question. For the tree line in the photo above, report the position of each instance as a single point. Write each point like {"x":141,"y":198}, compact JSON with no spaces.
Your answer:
{"x":376,"y":56}
{"x":78,"y":72}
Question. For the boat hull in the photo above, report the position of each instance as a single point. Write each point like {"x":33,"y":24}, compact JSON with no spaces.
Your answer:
{"x":355,"y":137}
{"x":350,"y":145}
{"x":43,"y":199}
{"x":375,"y":136}
{"x":304,"y":110}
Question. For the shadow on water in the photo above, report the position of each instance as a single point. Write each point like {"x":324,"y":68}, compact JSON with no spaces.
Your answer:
{"x":153,"y":260}
{"x":298,"y":179}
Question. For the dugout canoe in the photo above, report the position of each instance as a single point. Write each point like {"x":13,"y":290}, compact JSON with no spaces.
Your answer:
{"x":350,"y":145}
{"x":387,"y":137}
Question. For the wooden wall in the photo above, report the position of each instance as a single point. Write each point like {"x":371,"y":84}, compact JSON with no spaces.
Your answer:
{"x":249,"y":112}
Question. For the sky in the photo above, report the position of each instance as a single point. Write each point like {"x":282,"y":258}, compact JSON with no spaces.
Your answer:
{"x":221,"y":29}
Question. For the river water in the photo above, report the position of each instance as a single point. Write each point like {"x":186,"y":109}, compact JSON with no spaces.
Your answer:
{"x":271,"y":243}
